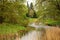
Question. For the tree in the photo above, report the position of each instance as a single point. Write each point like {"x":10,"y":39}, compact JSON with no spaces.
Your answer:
{"x":12,"y":12}
{"x":48,"y":11}
{"x":31,"y":12}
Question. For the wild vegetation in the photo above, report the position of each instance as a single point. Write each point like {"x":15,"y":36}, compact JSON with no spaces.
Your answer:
{"x":51,"y":34}
{"x":15,"y":17}
{"x":49,"y":11}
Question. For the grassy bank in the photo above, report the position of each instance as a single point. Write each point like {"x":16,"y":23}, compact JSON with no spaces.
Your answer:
{"x":10,"y":28}
{"x":13,"y":28}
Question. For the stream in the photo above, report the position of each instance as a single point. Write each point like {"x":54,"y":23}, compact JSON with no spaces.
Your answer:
{"x":34,"y":35}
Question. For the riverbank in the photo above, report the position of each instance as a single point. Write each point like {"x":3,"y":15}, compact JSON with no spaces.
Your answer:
{"x":52,"y":33}
{"x":11,"y":31}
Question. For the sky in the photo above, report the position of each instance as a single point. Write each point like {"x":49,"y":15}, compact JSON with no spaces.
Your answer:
{"x":29,"y":1}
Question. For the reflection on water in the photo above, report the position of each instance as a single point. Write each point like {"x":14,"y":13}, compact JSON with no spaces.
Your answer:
{"x":34,"y":35}
{"x":40,"y":25}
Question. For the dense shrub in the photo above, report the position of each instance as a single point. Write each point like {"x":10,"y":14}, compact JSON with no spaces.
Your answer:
{"x":13,"y":12}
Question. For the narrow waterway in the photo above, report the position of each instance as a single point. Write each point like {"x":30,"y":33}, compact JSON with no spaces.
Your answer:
{"x":35,"y":34}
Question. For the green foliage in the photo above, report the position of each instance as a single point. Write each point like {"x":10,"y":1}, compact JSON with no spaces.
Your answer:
{"x":14,"y":12}
{"x":49,"y":10}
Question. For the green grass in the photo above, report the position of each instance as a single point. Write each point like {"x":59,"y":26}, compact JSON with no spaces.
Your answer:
{"x":13,"y":28}
{"x":31,"y":20}
{"x":52,"y":22}
{"x":10,"y":28}
{"x":6,"y":28}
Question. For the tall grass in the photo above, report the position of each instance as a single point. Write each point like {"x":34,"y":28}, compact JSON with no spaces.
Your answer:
{"x":51,"y":34}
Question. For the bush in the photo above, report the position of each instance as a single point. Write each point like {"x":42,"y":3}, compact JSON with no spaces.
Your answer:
{"x":14,"y":13}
